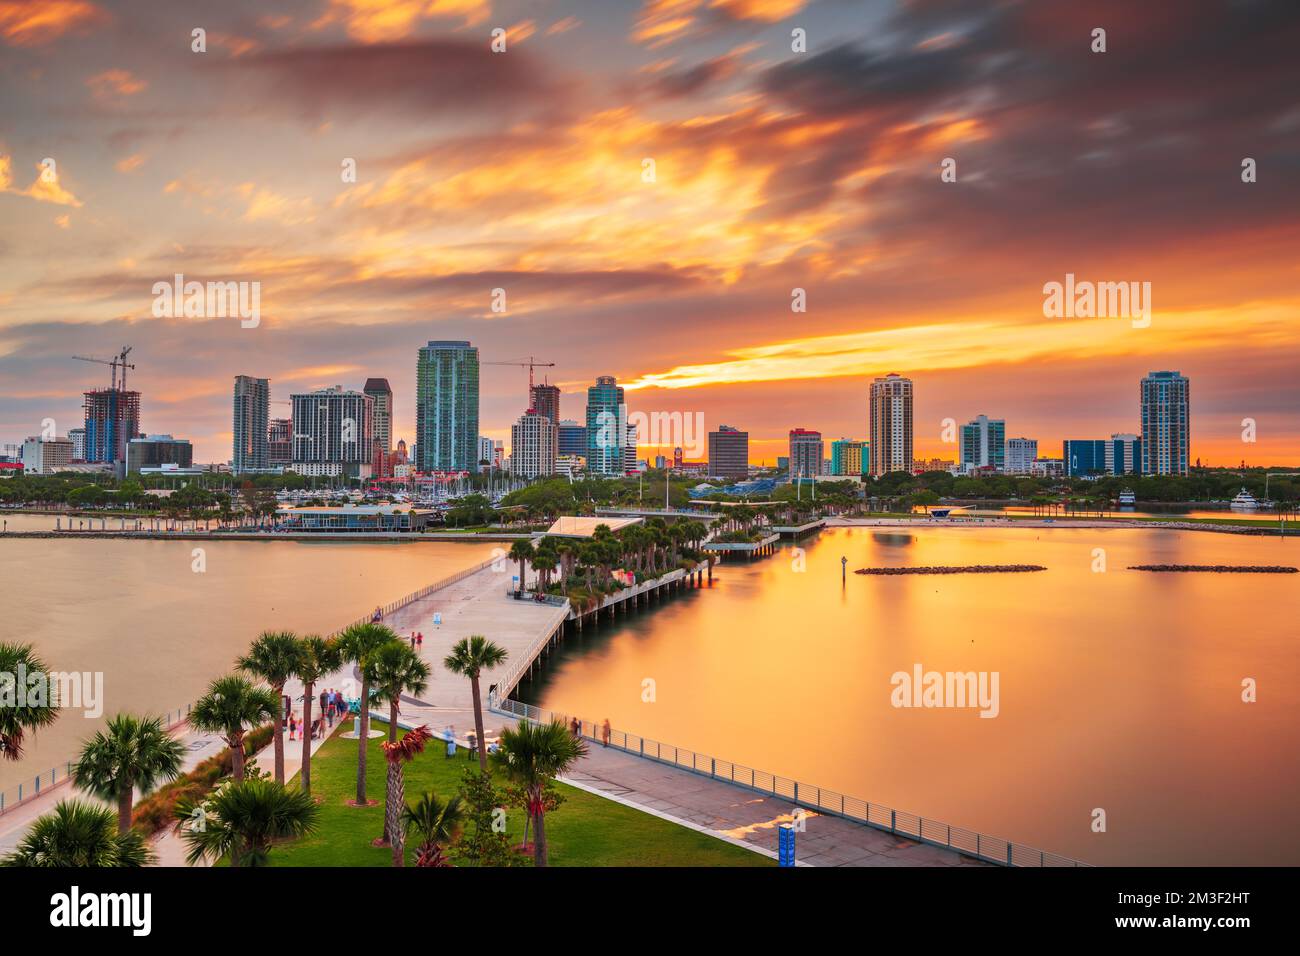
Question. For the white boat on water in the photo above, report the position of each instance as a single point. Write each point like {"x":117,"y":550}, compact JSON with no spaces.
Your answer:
{"x":1126,"y":497}
{"x":1244,"y":501}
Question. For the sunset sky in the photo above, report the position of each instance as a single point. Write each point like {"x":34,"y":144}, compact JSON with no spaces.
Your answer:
{"x":774,"y":170}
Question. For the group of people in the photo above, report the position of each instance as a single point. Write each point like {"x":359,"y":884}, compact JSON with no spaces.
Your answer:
{"x":417,"y":640}
{"x":575,"y":728}
{"x":331,"y":705}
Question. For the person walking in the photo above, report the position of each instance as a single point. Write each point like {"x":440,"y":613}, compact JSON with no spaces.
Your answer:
{"x":293,"y":726}
{"x":604,"y":732}
{"x":450,"y":736}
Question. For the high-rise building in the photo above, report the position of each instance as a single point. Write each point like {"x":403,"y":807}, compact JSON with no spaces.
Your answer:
{"x":573,"y":438}
{"x":1084,"y":457}
{"x":729,"y":453}
{"x":78,"y":438}
{"x":891,"y":424}
{"x":381,"y":428}
{"x":805,"y":453}
{"x":45,"y":456}
{"x":661,"y":462}
{"x":983,"y":443}
{"x":112,"y":420}
{"x":1021,"y":453}
{"x":630,"y":463}
{"x":847,"y":457}
{"x":606,"y":429}
{"x":446,"y":407}
{"x":249,"y":426}
{"x":331,"y":433}
{"x":546,"y":399}
{"x":678,"y":457}
{"x":484,"y":453}
{"x":1166,"y":422}
{"x":154,"y":451}
{"x":533,"y":441}
{"x":1123,"y":454}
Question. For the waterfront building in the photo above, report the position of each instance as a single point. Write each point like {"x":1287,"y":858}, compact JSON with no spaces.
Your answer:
{"x":920,"y":467}
{"x":249,"y":424}
{"x":782,"y":463}
{"x":45,"y":456}
{"x":78,"y":439}
{"x":1084,"y":457}
{"x":847,"y":457}
{"x":568,"y":466}
{"x":279,"y":443}
{"x":446,"y":406}
{"x":155,"y":451}
{"x":1166,"y":423}
{"x":331,"y":433}
{"x":1047,"y":468}
{"x":546,"y":399}
{"x":805,"y":453}
{"x":606,"y":430}
{"x":983,"y":444}
{"x":533,"y":441}
{"x":484,"y":453}
{"x":1021,"y":453}
{"x":112,"y":419}
{"x":1123,"y":454}
{"x":891,"y":424}
{"x":729,"y":453}
{"x":381,"y":425}
{"x":356,"y":518}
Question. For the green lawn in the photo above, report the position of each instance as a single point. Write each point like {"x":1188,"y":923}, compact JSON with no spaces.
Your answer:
{"x":586,"y":831}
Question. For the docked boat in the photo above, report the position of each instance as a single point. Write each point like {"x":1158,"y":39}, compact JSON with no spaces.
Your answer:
{"x":1126,"y":497}
{"x":1244,"y":501}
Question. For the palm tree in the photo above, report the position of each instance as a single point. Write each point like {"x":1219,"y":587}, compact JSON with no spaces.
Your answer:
{"x":395,"y":669}
{"x":359,"y":643}
{"x":399,"y":753}
{"x":469,"y":658}
{"x":132,"y":752}
{"x":274,"y":658}
{"x":437,"y":823}
{"x":532,"y":756}
{"x":77,"y":834}
{"x":17,"y":720}
{"x":521,"y":551}
{"x":231,"y":706}
{"x":240,"y":819}
{"x":316,"y":658}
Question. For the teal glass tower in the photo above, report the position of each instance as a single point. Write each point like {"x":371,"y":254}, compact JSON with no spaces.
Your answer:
{"x":446,"y":407}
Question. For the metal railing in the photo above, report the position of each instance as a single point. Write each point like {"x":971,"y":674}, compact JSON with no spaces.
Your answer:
{"x":967,"y":842}
{"x":522,"y":663}
{"x":414,"y":596}
{"x":61,"y":773}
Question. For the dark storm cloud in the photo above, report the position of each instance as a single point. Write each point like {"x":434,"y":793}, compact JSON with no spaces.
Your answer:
{"x":436,"y":77}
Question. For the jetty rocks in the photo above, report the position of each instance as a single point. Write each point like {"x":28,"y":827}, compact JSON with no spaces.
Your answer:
{"x":965,"y":569}
{"x":1218,"y":568}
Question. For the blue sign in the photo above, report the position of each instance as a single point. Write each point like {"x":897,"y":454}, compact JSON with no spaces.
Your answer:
{"x":437,"y":619}
{"x":785,"y":845}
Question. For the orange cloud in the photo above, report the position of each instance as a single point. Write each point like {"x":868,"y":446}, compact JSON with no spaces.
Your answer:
{"x":129,"y":163}
{"x":113,"y":83}
{"x":46,"y":188}
{"x":35,"y":22}
{"x":664,"y":21}
{"x":379,"y":21}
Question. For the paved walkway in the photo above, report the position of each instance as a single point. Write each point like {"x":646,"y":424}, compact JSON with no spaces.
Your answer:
{"x":746,"y":816}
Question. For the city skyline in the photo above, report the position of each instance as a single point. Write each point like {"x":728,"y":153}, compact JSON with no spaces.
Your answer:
{"x":774,"y":172}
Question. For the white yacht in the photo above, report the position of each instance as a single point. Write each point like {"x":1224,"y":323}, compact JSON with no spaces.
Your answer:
{"x":1126,"y":497}
{"x":1244,"y":501}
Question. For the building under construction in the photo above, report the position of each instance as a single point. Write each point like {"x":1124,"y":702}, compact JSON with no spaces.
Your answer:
{"x":112,"y":420}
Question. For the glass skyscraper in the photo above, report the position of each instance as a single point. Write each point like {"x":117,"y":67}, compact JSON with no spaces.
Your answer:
{"x":1166,"y":421}
{"x":446,"y":407}
{"x":606,"y":428}
{"x":984,"y":443}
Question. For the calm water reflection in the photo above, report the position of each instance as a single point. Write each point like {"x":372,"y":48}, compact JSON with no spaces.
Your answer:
{"x":136,"y":611}
{"x":1119,"y":690}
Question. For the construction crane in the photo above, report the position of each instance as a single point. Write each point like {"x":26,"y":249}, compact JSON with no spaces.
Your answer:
{"x":530,"y":364}
{"x":118,"y":361}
